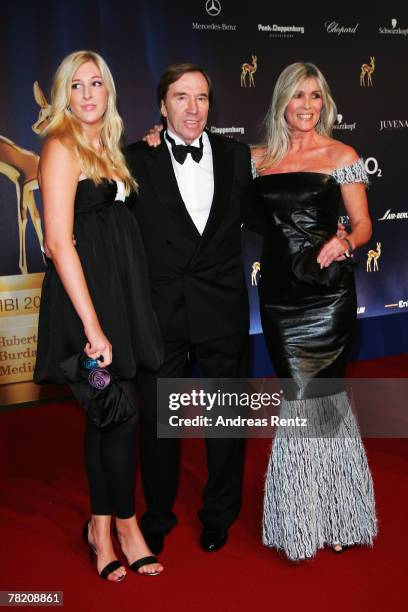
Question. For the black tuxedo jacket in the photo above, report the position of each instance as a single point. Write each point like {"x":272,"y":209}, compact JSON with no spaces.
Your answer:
{"x":198,"y":286}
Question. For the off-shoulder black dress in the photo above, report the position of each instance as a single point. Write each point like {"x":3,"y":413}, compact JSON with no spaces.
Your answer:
{"x":318,"y":488}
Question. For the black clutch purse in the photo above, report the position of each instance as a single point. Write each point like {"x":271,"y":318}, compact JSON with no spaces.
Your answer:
{"x":98,"y":391}
{"x":306,"y":269}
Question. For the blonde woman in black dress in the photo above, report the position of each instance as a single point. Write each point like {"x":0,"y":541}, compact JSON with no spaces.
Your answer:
{"x":318,"y":489}
{"x":96,"y":294}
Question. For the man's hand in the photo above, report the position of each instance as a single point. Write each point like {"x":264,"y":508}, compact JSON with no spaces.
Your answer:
{"x":153,"y":135}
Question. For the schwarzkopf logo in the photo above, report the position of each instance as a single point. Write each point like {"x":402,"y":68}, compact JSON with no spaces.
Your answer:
{"x":213,"y":7}
{"x":394,"y":29}
{"x":343,"y":126}
{"x":392,"y":216}
{"x":332,"y":27}
{"x":393,"y":124}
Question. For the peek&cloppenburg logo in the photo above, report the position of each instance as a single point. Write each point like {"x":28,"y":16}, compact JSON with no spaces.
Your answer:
{"x":281,"y":31}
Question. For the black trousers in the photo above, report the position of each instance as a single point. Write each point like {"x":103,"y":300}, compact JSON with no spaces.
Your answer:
{"x":110,"y":461}
{"x":224,"y":357}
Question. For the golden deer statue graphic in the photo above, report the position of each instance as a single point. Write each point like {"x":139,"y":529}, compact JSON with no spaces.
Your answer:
{"x":256,"y":266}
{"x":20,"y":167}
{"x":373,"y":255}
{"x":249,"y":69}
{"x":367,"y":69}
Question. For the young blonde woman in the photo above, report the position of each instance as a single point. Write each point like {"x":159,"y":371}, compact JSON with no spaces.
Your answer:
{"x":96,"y":296}
{"x":318,"y":488}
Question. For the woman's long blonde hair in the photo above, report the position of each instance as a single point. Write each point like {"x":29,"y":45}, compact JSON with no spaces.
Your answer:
{"x":64,"y":125}
{"x":277,"y":131}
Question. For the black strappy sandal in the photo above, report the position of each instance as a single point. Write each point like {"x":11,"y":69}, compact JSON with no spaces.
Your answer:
{"x":136,"y":565}
{"x":108,"y":569}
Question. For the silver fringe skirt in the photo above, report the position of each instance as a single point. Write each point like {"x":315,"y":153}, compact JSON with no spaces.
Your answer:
{"x":318,"y":489}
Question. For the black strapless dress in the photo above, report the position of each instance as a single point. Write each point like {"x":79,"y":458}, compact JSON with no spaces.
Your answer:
{"x":307,"y":326}
{"x":318,"y":488}
{"x":110,"y":247}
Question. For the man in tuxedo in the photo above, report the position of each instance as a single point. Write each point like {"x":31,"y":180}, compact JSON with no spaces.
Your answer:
{"x":194,"y":188}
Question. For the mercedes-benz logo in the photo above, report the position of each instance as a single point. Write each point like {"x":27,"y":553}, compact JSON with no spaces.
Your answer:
{"x":213,"y":7}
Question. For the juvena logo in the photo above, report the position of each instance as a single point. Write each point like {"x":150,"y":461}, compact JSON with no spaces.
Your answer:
{"x":332,"y":27}
{"x":393,"y":124}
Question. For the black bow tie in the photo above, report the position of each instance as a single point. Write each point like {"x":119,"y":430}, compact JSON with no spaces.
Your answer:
{"x":180,"y":152}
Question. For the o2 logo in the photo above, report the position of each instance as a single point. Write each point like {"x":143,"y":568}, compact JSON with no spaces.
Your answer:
{"x":372,"y":167}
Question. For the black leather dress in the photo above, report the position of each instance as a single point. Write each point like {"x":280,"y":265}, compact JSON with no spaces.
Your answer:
{"x":318,"y":488}
{"x":307,"y":322}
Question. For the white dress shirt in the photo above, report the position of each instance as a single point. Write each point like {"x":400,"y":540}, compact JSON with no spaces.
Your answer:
{"x":195,"y":180}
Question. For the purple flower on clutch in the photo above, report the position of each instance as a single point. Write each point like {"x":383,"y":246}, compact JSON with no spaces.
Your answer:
{"x":99,"y":378}
{"x":89,"y":363}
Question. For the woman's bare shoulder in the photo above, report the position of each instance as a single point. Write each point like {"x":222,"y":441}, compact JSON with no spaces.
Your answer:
{"x":341,"y":154}
{"x":57,"y":150}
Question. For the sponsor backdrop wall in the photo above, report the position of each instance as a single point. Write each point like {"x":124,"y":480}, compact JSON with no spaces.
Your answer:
{"x":243,"y":46}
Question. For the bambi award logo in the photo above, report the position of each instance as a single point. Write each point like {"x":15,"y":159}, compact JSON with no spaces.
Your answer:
{"x":373,"y":255}
{"x":213,"y":7}
{"x":249,"y":69}
{"x":256,"y":267}
{"x":366,"y":72}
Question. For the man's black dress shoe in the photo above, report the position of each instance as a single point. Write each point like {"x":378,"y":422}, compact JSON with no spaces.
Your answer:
{"x":154,"y":540}
{"x":213,"y":537}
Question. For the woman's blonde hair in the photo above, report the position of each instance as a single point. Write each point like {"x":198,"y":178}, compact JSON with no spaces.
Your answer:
{"x":63,"y":124}
{"x":277,"y":130}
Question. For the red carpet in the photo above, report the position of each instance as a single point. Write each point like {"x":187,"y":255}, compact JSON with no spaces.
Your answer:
{"x":44,"y":503}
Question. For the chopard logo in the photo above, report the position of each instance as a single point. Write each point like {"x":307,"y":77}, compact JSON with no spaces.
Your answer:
{"x":393,"y":124}
{"x":394,"y":30}
{"x":343,"y":126}
{"x":332,"y":27}
{"x":393,"y":216}
{"x":213,"y":7}
{"x":281,"y":31}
